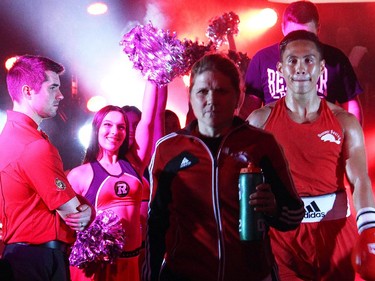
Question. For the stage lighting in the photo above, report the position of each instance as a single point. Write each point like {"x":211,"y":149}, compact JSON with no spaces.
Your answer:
{"x":186,"y":80}
{"x":255,"y":21}
{"x":98,"y":8}
{"x":84,"y":134}
{"x":96,"y":103}
{"x":9,"y":62}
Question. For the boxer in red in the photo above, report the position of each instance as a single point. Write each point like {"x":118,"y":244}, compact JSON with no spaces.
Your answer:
{"x":322,"y":142}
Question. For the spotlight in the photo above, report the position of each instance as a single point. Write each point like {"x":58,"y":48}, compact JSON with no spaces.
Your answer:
{"x":258,"y":21}
{"x":9,"y":62}
{"x":96,"y":103}
{"x":84,"y":134}
{"x":98,"y":8}
{"x":186,"y":80}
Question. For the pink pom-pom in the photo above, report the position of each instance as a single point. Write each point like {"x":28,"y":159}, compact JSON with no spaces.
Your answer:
{"x":240,"y":59}
{"x":102,"y":241}
{"x":157,"y":53}
{"x":194,"y":51}
{"x":220,"y":27}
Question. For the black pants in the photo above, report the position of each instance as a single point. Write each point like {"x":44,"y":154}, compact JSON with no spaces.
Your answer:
{"x":33,"y":263}
{"x":167,"y":275}
{"x":6,"y":271}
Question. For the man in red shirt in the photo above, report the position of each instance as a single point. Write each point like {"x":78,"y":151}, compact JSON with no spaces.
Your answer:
{"x":38,"y":208}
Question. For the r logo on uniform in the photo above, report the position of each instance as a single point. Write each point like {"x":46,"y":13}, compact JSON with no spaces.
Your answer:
{"x":121,"y":188}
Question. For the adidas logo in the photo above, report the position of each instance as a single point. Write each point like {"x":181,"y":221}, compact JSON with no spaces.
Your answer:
{"x":185,"y":163}
{"x":312,"y":211}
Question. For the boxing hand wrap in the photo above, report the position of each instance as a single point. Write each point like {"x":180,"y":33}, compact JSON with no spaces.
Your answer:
{"x":365,"y":218}
{"x":363,"y":255}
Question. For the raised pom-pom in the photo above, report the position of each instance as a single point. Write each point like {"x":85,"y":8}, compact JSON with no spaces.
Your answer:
{"x":157,"y":53}
{"x":240,"y":59}
{"x":102,"y":241}
{"x":220,"y":27}
{"x":194,"y":51}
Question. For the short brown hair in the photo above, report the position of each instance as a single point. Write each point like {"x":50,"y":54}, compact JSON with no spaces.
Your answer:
{"x":30,"y":70}
{"x":217,"y":62}
{"x":301,"y":12}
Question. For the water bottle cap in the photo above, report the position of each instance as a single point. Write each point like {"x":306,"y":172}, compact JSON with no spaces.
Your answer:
{"x":251,"y":168}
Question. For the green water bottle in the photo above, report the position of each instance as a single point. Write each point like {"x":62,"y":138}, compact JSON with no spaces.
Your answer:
{"x":251,"y":223}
